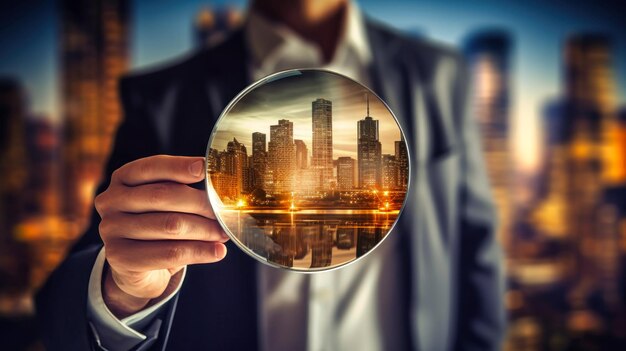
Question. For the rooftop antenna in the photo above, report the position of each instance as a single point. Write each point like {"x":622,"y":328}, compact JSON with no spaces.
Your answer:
{"x":367,"y":99}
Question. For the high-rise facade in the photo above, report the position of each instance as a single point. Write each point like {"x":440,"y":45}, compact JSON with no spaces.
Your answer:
{"x":368,"y":152}
{"x":322,"y":157}
{"x":389,"y":172}
{"x":259,"y":159}
{"x":236,"y":163}
{"x":281,"y":159}
{"x":302,"y":159}
{"x":94,"y":53}
{"x":345,"y":174}
{"x":583,"y":206}
{"x":402,"y":159}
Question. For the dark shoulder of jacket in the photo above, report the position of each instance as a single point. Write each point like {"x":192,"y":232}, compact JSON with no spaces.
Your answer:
{"x":151,"y":83}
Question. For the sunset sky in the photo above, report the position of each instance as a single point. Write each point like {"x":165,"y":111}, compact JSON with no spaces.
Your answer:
{"x":291,"y":97}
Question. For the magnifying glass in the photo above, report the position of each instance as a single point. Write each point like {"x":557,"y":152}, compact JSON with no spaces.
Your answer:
{"x":307,"y":170}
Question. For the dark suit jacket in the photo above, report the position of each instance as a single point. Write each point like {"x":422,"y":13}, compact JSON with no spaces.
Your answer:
{"x":454,"y":274}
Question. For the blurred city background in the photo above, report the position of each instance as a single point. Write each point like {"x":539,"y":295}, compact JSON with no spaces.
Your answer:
{"x":549,"y":80}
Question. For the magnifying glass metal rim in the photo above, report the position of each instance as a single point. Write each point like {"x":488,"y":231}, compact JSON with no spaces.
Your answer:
{"x":209,"y":187}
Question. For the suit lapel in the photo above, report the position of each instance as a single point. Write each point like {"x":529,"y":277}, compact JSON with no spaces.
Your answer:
{"x":393,"y":80}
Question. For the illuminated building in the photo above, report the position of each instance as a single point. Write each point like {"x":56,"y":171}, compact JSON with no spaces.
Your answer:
{"x":402,"y":158}
{"x":307,"y":181}
{"x":229,"y":170}
{"x":225,"y":186}
{"x":322,"y":158}
{"x":13,"y":183}
{"x":236,"y":163}
{"x":94,"y":53}
{"x":345,"y":173}
{"x":212,"y":161}
{"x":389,"y":172}
{"x":33,"y":235}
{"x":281,"y":158}
{"x":583,"y":205}
{"x":488,"y":54}
{"x":301,"y":154}
{"x":211,"y":26}
{"x":368,"y":152}
{"x":259,"y":159}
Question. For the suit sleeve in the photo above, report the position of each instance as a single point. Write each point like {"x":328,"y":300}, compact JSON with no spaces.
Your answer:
{"x":481,"y":321}
{"x":61,"y":303}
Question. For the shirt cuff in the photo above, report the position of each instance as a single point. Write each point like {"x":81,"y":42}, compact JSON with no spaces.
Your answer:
{"x":110,"y":332}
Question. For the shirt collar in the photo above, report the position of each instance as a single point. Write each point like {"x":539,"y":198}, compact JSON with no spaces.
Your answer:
{"x":271,"y":43}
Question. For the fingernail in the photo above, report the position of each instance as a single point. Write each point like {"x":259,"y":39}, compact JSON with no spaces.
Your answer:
{"x":218,"y":251}
{"x":196,"y":168}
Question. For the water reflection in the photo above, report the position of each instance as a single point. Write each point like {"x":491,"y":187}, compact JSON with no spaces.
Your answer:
{"x":309,"y":239}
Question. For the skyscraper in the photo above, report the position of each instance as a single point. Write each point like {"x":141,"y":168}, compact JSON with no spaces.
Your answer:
{"x":322,"y":158}
{"x":259,"y":159}
{"x":345,"y":173}
{"x":488,"y":54}
{"x":281,"y":158}
{"x":94,"y":53}
{"x":389,"y":172}
{"x":585,"y":176}
{"x":236,"y":163}
{"x":368,"y":151}
{"x":302,"y":160}
{"x":402,"y":159}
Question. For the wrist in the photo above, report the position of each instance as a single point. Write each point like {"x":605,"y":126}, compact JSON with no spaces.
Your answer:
{"x":120,"y":303}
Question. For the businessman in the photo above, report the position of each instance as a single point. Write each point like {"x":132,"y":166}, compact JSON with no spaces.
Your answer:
{"x":155,"y":271}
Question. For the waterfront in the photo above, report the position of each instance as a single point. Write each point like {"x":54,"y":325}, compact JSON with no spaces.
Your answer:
{"x":309,"y":239}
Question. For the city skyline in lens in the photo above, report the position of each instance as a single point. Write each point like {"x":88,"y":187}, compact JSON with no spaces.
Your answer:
{"x":291,"y":99}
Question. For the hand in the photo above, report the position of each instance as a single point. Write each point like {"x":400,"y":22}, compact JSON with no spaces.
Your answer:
{"x":154,"y":224}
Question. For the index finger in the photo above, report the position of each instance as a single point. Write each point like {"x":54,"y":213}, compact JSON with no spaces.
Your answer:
{"x":180,"y":169}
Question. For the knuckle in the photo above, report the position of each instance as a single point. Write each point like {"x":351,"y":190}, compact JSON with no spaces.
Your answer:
{"x":116,"y":175}
{"x":146,"y":168}
{"x":104,"y":228}
{"x":174,"y":223}
{"x":100,"y":202}
{"x":176,"y":254}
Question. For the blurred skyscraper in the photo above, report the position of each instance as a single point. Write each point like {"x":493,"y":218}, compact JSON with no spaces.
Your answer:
{"x":14,"y":261}
{"x":30,"y":221}
{"x":583,"y":205}
{"x":488,"y":53}
{"x":94,"y":53}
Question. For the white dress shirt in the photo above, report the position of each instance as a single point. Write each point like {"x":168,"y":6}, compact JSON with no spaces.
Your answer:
{"x":357,"y":307}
